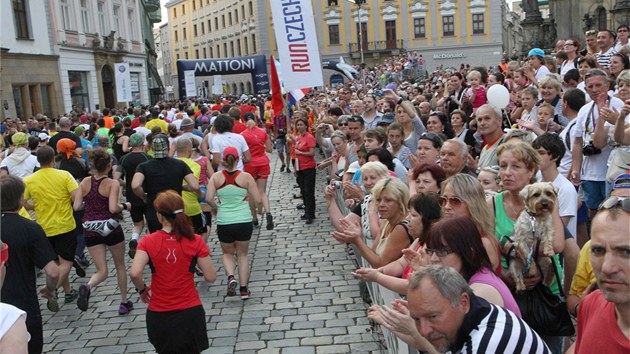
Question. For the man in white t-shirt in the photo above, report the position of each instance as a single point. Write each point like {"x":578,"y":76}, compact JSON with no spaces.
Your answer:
{"x":224,"y":138}
{"x":572,"y":101}
{"x":590,"y":163}
{"x":551,"y":149}
{"x":141,"y":128}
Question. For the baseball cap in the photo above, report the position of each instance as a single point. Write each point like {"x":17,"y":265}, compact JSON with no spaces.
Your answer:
{"x":230,"y":150}
{"x":136,"y":139}
{"x":187,"y":122}
{"x":78,"y":131}
{"x":43,"y":136}
{"x":160,"y":146}
{"x":536,"y":52}
{"x":19,"y":139}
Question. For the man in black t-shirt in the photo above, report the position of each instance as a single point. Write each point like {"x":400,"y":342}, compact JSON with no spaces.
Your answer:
{"x":127,"y":167}
{"x":28,"y":247}
{"x":64,"y":132}
{"x":160,"y":174}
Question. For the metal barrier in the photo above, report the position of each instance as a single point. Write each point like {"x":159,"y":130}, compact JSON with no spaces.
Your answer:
{"x":383,"y":296}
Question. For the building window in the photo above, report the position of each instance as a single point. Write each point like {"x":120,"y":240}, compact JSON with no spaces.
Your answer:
{"x":211,"y":52}
{"x":333,"y":3}
{"x":184,"y":33}
{"x":251,"y":8}
{"x":196,"y":53}
{"x":194,"y":4}
{"x":79,"y":93}
{"x":230,"y":19}
{"x":186,"y":55}
{"x":222,"y":21}
{"x":232,"y":48}
{"x":419,"y":28}
{"x":117,"y":20}
{"x":184,"y":11}
{"x":209,"y":26}
{"x":175,"y":36}
{"x":195,"y":30}
{"x":254,"y":43}
{"x":65,"y":15}
{"x":177,"y":55}
{"x":333,"y":34}
{"x":102,"y":22}
{"x":174,"y":12}
{"x":243,"y":12}
{"x":216,"y":23}
{"x":225,"y":52}
{"x":203,"y":28}
{"x":20,"y":15}
{"x":85,"y":17}
{"x":236,"y":15}
{"x":238,"y":47}
{"x":246,"y":45}
{"x":478,"y":23}
{"x":132,"y":25}
{"x":448,"y":25}
{"x":205,"y":53}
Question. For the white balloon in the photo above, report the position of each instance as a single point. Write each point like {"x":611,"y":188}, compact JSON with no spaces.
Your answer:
{"x":498,"y":96}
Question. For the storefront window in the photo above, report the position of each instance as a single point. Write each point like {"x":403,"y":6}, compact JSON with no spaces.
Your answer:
{"x":135,"y":88}
{"x":79,"y":93}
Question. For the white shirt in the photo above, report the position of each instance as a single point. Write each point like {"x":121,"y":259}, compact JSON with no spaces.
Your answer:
{"x":144,"y":131}
{"x":567,"y":159}
{"x":593,"y":167}
{"x":221,"y":141}
{"x":567,"y":202}
{"x":542,"y":72}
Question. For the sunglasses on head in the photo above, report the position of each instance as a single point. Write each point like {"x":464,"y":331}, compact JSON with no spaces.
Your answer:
{"x":356,"y":119}
{"x":614,"y":201}
{"x":455,"y":202}
{"x":441,"y":253}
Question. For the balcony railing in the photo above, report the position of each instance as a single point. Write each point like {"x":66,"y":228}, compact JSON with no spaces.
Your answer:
{"x":377,"y":45}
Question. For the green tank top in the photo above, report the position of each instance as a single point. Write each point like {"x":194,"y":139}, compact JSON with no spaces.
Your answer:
{"x":233,"y":207}
{"x":503,"y":226}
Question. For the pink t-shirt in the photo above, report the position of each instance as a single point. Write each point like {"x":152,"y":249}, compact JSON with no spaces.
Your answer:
{"x":486,"y":276}
{"x":480,"y":97}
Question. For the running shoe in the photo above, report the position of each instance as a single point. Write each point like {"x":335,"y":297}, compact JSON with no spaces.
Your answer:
{"x":255,"y":221}
{"x":282,"y":168}
{"x":78,"y":267}
{"x":83,"y":300}
{"x":245,"y":294}
{"x":53,"y":304}
{"x":232,"y":283}
{"x":72,"y":296}
{"x":125,"y":308}
{"x":269,"y":221}
{"x":133,"y":244}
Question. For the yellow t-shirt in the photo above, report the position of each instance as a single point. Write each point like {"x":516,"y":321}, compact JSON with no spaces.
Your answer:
{"x":191,"y":204}
{"x":24,"y":213}
{"x":157,"y":122}
{"x":584,"y":275}
{"x":50,"y":191}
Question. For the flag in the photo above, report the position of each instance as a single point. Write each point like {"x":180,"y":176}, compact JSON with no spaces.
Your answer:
{"x":296,"y":95}
{"x":276,"y":92}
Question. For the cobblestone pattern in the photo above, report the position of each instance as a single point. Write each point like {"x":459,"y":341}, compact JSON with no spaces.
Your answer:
{"x":304,"y":299}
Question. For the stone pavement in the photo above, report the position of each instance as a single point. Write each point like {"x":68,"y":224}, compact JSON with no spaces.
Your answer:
{"x":304,"y":299}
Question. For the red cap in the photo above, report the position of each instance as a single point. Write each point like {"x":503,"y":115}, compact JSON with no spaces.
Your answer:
{"x":230,"y":150}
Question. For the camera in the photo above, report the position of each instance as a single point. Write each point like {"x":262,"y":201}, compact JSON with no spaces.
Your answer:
{"x":282,"y":131}
{"x":590,"y":150}
{"x":337,"y":184}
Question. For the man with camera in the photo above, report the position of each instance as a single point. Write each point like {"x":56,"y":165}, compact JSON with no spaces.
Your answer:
{"x":590,"y":163}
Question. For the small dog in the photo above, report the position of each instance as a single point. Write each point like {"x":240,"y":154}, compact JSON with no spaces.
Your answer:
{"x":534,"y":223}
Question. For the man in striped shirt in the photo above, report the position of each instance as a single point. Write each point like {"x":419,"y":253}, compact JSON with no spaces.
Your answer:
{"x":606,"y":44}
{"x":452,"y":318}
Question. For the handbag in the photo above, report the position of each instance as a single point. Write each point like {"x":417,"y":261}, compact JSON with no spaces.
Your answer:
{"x":545,"y":312}
{"x":619,"y":164}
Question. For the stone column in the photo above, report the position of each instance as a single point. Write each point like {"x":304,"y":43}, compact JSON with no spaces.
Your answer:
{"x":621,"y":13}
{"x":532,"y":26}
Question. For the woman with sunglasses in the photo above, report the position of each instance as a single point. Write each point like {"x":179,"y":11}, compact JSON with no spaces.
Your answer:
{"x":424,"y":211}
{"x":390,"y":199}
{"x":622,"y":38}
{"x":463,"y":195}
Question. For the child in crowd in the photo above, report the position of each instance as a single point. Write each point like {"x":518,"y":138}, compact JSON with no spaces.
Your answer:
{"x":476,"y":93}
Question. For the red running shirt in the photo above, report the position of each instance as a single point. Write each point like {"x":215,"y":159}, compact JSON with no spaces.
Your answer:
{"x":304,"y":143}
{"x":256,"y":138}
{"x":172,"y":285}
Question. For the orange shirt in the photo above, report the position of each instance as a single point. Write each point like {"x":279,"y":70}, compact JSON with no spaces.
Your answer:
{"x":109,"y":122}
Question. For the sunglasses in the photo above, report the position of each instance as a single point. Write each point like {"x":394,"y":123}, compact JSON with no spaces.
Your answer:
{"x":622,"y":30}
{"x":613,"y":202}
{"x":455,"y":202}
{"x":343,"y":124}
{"x":434,"y":138}
{"x":443,"y":252}
{"x":356,"y":119}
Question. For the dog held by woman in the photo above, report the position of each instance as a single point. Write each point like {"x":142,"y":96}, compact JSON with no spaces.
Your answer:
{"x":534,"y":227}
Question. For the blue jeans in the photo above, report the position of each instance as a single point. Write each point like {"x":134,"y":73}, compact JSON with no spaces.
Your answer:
{"x":594,"y":193}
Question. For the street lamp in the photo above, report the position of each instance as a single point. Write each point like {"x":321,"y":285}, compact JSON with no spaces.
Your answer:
{"x":362,"y":66}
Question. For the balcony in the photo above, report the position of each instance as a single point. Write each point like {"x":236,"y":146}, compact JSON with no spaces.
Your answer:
{"x":377,"y":46}
{"x":155,"y":16}
{"x":152,"y":5}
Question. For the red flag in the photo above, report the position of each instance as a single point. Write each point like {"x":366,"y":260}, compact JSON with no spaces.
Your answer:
{"x":276,"y":91}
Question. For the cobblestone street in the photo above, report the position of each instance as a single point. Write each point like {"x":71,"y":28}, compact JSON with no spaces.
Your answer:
{"x":304,"y":299}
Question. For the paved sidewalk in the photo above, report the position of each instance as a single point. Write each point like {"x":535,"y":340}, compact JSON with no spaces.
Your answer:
{"x":304,"y":299}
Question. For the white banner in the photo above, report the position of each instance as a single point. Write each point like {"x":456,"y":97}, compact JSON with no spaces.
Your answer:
{"x":189,"y":79}
{"x":296,"y":39}
{"x":123,"y":82}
